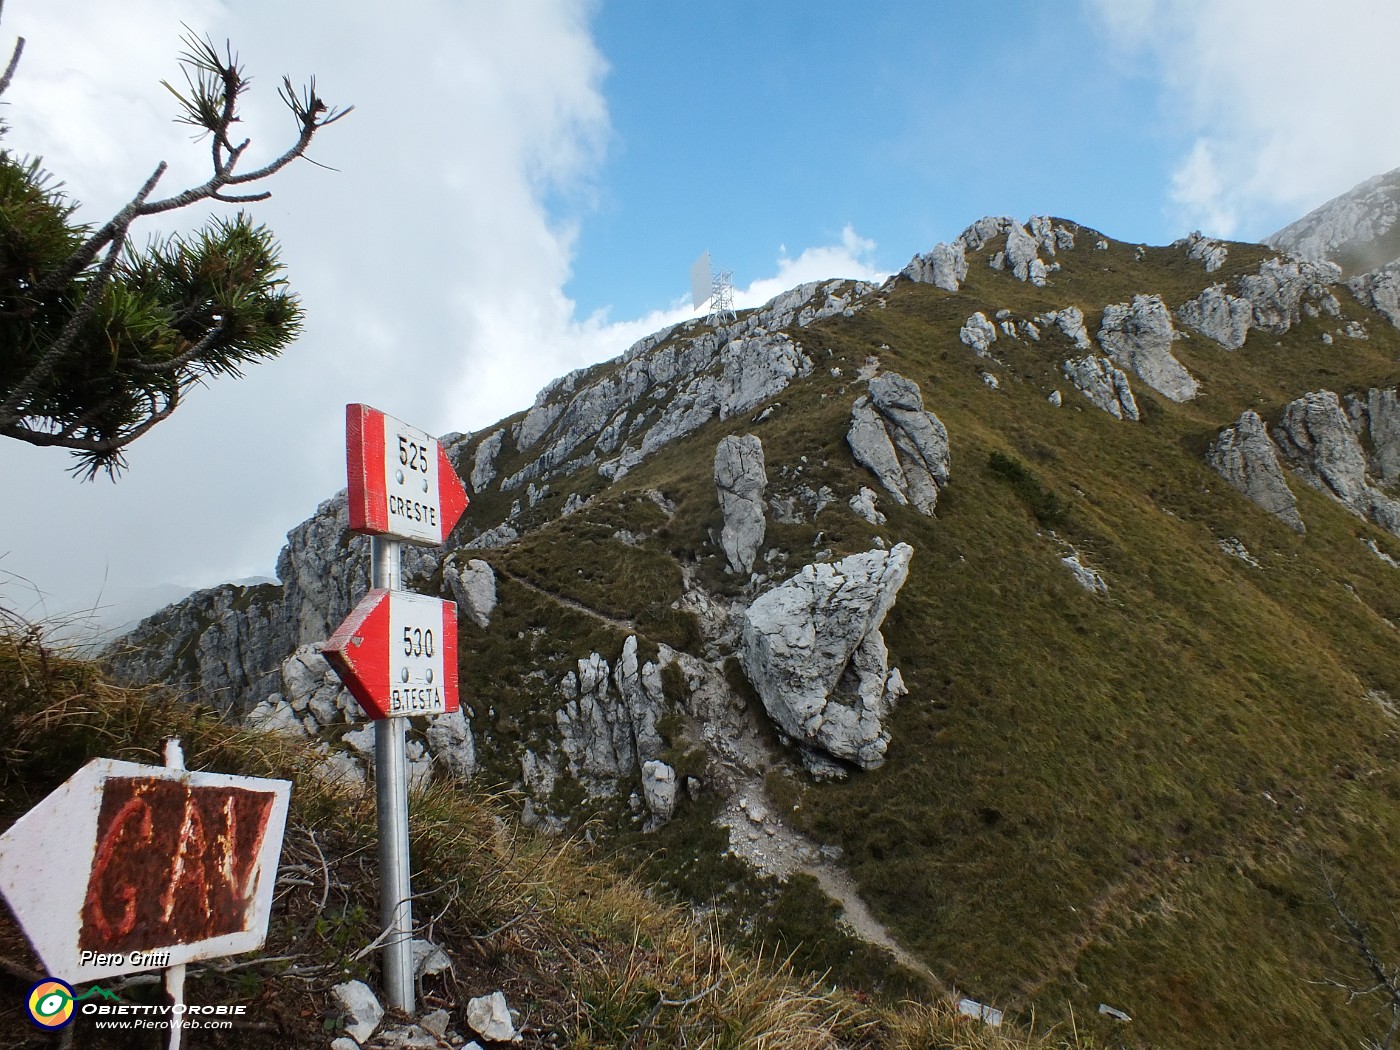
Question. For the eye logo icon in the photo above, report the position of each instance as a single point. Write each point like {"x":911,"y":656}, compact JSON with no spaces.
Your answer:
{"x":51,"y":1003}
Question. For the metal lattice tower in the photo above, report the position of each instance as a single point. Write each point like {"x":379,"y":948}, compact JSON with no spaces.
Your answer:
{"x":721,"y":297}
{"x":713,"y":286}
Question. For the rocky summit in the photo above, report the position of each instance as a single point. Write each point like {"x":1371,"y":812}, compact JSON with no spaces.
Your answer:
{"x":1359,"y":230}
{"x":1038,"y":607}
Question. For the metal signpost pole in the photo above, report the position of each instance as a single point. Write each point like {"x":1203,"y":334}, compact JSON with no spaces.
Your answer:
{"x":175,"y":975}
{"x":391,"y":801}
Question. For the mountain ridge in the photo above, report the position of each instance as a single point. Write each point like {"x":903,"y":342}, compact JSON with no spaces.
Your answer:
{"x":1357,"y":229}
{"x":1119,"y":689}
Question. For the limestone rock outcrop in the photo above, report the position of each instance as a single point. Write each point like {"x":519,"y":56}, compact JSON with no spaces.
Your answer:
{"x":978,"y":333}
{"x":659,"y":789}
{"x":1070,"y":322}
{"x":813,"y":650}
{"x":903,"y":445}
{"x":1380,"y":291}
{"x":228,"y":641}
{"x":1376,"y":419}
{"x":944,"y":267}
{"x":1355,"y":228}
{"x":863,"y":503}
{"x":609,"y":723}
{"x":740,"y":481}
{"x":324,"y":569}
{"x":670,"y":384}
{"x":1085,"y":575}
{"x":1103,"y":384}
{"x":1021,"y":254}
{"x":1219,"y":315}
{"x":1316,"y":437}
{"x":312,"y":703}
{"x":1244,"y":456}
{"x":473,"y":587}
{"x":1204,"y":249}
{"x":1283,"y":289}
{"x":484,"y":462}
{"x":1138,"y":336}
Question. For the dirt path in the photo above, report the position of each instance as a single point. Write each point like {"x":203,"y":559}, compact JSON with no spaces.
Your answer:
{"x":765,"y":841}
{"x":626,"y":626}
{"x":756,"y":833}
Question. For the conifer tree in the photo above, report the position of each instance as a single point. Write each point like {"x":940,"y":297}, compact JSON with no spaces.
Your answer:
{"x":99,"y":338}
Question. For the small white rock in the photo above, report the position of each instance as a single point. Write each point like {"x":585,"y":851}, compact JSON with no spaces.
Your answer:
{"x":436,"y":1022}
{"x":428,"y":959}
{"x":489,"y":1017}
{"x":362,"y":1010}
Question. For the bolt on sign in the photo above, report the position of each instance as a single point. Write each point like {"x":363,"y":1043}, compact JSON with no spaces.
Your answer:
{"x":397,"y":654}
{"x":129,"y":867}
{"x":401,"y":483}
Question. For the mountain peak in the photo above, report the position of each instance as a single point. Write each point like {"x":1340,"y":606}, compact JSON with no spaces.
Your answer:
{"x":1359,"y":230}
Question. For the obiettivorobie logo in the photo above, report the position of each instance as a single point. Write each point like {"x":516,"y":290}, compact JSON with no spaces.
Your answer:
{"x":51,"y":1002}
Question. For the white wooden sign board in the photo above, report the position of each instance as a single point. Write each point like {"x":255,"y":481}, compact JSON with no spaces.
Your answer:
{"x":129,"y":867}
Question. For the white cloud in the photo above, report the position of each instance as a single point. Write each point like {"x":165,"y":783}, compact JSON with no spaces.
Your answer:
{"x":1199,"y":190}
{"x":430,"y":264}
{"x":554,"y":342}
{"x":468,"y":117}
{"x":851,"y":258}
{"x":1284,"y":103}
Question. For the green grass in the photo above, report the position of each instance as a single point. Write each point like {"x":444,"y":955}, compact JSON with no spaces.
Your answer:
{"x":1127,"y":798}
{"x":585,"y":953}
{"x":1132,"y":798}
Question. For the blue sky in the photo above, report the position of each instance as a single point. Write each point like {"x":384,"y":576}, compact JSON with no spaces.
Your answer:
{"x":523,"y":186}
{"x":747,"y":128}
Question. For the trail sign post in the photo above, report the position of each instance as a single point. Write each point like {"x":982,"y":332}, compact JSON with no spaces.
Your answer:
{"x":397,"y":652}
{"x":401,"y":483}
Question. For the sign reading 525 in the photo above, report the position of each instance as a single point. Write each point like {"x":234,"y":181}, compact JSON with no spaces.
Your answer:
{"x":401,"y":484}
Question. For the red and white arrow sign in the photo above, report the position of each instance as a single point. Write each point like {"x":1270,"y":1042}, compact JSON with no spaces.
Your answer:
{"x":397,"y":654}
{"x":401,"y":483}
{"x":129,"y":867}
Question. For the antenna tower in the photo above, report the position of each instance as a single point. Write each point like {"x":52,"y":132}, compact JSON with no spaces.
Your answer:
{"x":714,"y":286}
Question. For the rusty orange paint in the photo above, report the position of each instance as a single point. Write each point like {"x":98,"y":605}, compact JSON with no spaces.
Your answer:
{"x":174,"y":864}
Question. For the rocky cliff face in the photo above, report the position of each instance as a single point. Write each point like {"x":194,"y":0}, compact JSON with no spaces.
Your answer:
{"x":805,"y":627}
{"x":1358,"y":230}
{"x":838,"y":573}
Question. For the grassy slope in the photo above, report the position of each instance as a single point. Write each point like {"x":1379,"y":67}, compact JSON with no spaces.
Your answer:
{"x":586,"y":955}
{"x":1127,"y":799}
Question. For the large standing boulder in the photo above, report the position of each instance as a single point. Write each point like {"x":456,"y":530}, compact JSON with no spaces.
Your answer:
{"x":1138,"y":336}
{"x":1217,"y":314}
{"x":1103,"y":384}
{"x":1316,"y":437}
{"x":473,"y":588}
{"x":1245,"y":457}
{"x":944,"y":267}
{"x":813,"y":650}
{"x":740,"y":480}
{"x":903,"y":445}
